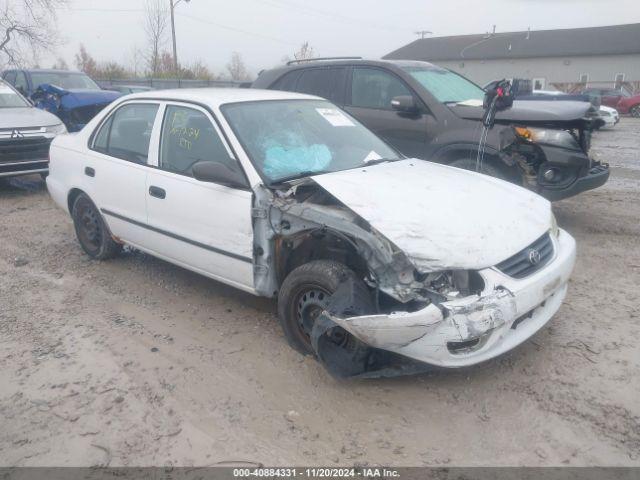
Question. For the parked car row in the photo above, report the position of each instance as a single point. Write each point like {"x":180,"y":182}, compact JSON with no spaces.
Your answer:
{"x":620,"y":99}
{"x":313,"y":188}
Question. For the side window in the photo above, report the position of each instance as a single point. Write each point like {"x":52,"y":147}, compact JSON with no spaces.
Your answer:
{"x":374,"y":88}
{"x":188,"y":137}
{"x":127,"y":133}
{"x":324,"y":82}
{"x":10,"y":77}
{"x":286,"y":83}
{"x":21,"y":83}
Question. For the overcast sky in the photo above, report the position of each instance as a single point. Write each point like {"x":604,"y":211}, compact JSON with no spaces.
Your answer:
{"x":264,"y":31}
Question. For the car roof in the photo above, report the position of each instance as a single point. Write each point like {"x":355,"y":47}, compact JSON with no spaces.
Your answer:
{"x":53,"y":70}
{"x":219,"y":96}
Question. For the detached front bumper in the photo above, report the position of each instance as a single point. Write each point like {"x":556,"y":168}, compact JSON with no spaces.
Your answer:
{"x":471,"y":330}
{"x":597,"y":176}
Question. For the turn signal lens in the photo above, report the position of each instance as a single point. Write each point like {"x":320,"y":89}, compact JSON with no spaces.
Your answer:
{"x":523,"y":132}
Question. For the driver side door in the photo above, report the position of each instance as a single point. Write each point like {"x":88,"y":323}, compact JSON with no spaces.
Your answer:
{"x":203,"y":226}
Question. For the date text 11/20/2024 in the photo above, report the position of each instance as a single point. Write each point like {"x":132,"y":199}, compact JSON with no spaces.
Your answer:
{"x":315,"y":473}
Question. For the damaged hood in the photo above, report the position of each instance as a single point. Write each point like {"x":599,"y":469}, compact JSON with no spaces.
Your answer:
{"x":543,"y":111}
{"x":442,"y":217}
{"x":82,"y":98}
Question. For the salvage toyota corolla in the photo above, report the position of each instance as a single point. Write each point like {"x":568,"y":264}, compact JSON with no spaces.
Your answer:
{"x":379,"y":263}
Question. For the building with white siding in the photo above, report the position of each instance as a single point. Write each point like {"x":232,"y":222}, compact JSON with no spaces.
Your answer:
{"x":565,"y":59}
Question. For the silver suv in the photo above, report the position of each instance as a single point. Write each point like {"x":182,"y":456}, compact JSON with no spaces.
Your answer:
{"x":25,"y":134}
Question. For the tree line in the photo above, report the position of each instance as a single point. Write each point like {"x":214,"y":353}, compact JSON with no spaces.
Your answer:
{"x":28,"y":27}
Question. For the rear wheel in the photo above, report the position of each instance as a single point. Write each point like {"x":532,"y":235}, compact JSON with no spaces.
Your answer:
{"x":306,"y":293}
{"x":92,"y":232}
{"x":635,"y":111}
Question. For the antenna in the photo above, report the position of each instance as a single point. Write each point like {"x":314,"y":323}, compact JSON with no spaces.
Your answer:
{"x":423,"y":33}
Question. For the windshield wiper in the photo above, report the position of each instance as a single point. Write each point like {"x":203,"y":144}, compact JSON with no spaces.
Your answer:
{"x":299,"y":175}
{"x":380,"y":160}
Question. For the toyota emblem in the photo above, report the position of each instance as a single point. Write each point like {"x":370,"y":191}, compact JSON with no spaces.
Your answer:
{"x":534,"y":257}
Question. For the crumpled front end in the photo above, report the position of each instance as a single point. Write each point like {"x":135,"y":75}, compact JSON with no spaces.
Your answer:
{"x":74,"y":108}
{"x":469,"y":330}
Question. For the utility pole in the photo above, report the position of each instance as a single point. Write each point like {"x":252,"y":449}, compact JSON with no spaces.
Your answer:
{"x":423,"y":33}
{"x":174,"y":4}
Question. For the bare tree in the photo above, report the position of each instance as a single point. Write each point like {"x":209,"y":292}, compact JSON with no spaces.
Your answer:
{"x":236,"y":68}
{"x":61,"y":64}
{"x":305,"y":52}
{"x":26,"y":27}
{"x":155,"y":27}
{"x":85,"y":62}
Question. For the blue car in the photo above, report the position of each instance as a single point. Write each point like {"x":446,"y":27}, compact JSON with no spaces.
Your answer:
{"x":73,"y":96}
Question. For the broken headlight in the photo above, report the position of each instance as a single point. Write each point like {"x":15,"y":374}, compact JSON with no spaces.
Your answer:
{"x":57,"y":129}
{"x":555,"y":138}
{"x":452,"y":284}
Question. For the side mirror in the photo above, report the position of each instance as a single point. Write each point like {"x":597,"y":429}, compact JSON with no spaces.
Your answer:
{"x":405,"y":104}
{"x":216,"y":172}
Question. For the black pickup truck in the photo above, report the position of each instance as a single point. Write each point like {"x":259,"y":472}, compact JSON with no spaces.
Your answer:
{"x":431,"y":113}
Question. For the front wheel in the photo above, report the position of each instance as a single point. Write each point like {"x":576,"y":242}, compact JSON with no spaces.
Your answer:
{"x":92,"y":232}
{"x":487,"y":168}
{"x":306,"y":293}
{"x":635,"y":111}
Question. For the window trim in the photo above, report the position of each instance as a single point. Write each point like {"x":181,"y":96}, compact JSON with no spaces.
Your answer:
{"x":215,"y":125}
{"x":349,"y":88}
{"x":111,"y":114}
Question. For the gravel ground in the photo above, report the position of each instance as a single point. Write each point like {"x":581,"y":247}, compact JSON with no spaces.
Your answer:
{"x":137,"y":362}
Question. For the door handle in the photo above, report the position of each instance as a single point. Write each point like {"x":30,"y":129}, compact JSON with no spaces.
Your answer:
{"x":157,"y":192}
{"x":89,"y":172}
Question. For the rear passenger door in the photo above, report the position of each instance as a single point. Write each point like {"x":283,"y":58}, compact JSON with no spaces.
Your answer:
{"x":115,"y":171}
{"x":369,"y":100}
{"x":201,"y":225}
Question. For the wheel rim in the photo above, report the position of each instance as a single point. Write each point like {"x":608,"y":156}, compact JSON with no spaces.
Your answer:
{"x":309,"y":304}
{"x":89,"y":227}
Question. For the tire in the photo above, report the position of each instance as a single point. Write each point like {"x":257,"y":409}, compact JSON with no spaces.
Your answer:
{"x":306,"y":292}
{"x":635,"y":111}
{"x":488,"y":168}
{"x":92,"y":232}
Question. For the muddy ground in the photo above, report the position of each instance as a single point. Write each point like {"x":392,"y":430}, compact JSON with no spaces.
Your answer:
{"x":137,"y":362}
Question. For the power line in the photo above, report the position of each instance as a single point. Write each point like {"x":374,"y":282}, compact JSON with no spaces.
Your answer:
{"x":196,"y":19}
{"x":306,"y":10}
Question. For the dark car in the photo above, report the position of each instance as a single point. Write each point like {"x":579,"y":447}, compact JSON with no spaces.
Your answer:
{"x":72,"y":96}
{"x":432,"y":113}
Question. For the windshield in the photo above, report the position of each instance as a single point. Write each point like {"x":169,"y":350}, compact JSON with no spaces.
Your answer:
{"x":287,"y":139}
{"x":10,"y":99}
{"x":446,"y":86}
{"x":67,"y":81}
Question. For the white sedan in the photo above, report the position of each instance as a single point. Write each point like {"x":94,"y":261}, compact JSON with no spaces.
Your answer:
{"x":610,"y":116}
{"x":378,"y":262}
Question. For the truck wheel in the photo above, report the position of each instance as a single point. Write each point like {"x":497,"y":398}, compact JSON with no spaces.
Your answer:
{"x":92,"y":232}
{"x":635,"y":111}
{"x":304,"y":295}
{"x":487,"y":167}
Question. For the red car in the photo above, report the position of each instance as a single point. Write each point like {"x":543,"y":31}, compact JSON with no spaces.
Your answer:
{"x":621,"y":100}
